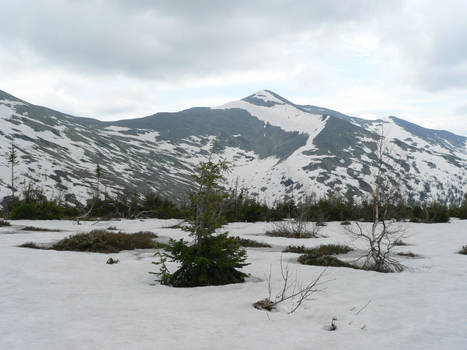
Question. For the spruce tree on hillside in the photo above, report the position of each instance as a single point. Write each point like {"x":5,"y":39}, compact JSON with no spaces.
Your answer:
{"x":211,"y":259}
{"x":98,"y":179}
{"x":13,"y":160}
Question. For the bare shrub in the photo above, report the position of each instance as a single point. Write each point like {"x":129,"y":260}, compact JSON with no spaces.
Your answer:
{"x":293,"y":291}
{"x":380,"y":242}
{"x":298,"y":227}
{"x":294,"y":228}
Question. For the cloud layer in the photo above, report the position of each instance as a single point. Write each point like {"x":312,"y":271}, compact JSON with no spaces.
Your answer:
{"x":113,"y":59}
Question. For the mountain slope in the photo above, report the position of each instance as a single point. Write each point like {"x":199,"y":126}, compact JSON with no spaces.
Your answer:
{"x":275,"y":146}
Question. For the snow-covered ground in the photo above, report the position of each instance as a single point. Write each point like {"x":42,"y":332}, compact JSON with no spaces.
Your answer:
{"x":73,"y":300}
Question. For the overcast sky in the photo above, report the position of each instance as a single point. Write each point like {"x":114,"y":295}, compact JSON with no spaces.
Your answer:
{"x":120,"y":58}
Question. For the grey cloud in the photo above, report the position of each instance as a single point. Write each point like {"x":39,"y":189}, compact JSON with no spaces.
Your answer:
{"x":432,"y":38}
{"x":167,"y":39}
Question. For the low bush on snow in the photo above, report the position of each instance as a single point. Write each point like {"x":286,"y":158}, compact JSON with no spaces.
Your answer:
{"x":294,"y":229}
{"x":250,"y":243}
{"x":32,"y":245}
{"x":101,"y":241}
{"x":399,"y":242}
{"x":463,"y":250}
{"x":38,"y":229}
{"x":111,"y":261}
{"x":4,"y":223}
{"x":322,"y":255}
{"x":408,"y":254}
{"x":324,"y":249}
{"x":322,"y":260}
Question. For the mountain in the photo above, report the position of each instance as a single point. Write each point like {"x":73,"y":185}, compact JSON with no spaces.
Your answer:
{"x":276,"y":147}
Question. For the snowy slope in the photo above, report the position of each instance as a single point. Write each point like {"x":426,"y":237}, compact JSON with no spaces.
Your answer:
{"x":275,"y":147}
{"x":435,"y":170}
{"x":70,"y":300}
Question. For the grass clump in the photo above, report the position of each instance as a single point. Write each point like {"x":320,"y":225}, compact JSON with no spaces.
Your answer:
{"x":463,"y":250}
{"x":4,"y":223}
{"x":399,"y":242}
{"x":38,"y":229}
{"x":31,"y":245}
{"x":408,"y":254}
{"x":101,"y":241}
{"x":250,"y":243}
{"x":112,"y":261}
{"x":321,"y":255}
{"x":294,"y":229}
{"x":179,"y":225}
{"x":322,"y":260}
{"x":324,"y":249}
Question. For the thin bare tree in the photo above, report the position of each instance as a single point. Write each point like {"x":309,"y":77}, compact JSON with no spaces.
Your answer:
{"x":384,"y":232}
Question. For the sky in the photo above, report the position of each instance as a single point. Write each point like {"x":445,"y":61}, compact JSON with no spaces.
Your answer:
{"x":117,"y":59}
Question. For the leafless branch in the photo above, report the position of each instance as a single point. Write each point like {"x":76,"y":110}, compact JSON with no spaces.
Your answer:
{"x":294,"y":291}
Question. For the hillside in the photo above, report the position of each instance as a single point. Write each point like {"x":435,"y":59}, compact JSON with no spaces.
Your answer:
{"x":275,"y":147}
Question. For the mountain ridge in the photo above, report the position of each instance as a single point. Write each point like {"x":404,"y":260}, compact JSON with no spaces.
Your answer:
{"x":276,"y":148}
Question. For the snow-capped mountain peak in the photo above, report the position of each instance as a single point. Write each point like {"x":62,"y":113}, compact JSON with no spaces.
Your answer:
{"x":265,"y":98}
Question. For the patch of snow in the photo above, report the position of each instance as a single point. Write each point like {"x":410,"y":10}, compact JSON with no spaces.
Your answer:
{"x":62,"y":300}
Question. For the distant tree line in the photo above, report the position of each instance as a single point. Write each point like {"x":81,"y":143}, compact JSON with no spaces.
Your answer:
{"x":238,"y":206}
{"x":335,"y":207}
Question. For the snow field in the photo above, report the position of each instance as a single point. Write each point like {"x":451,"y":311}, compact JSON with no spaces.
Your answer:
{"x":73,"y":300}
